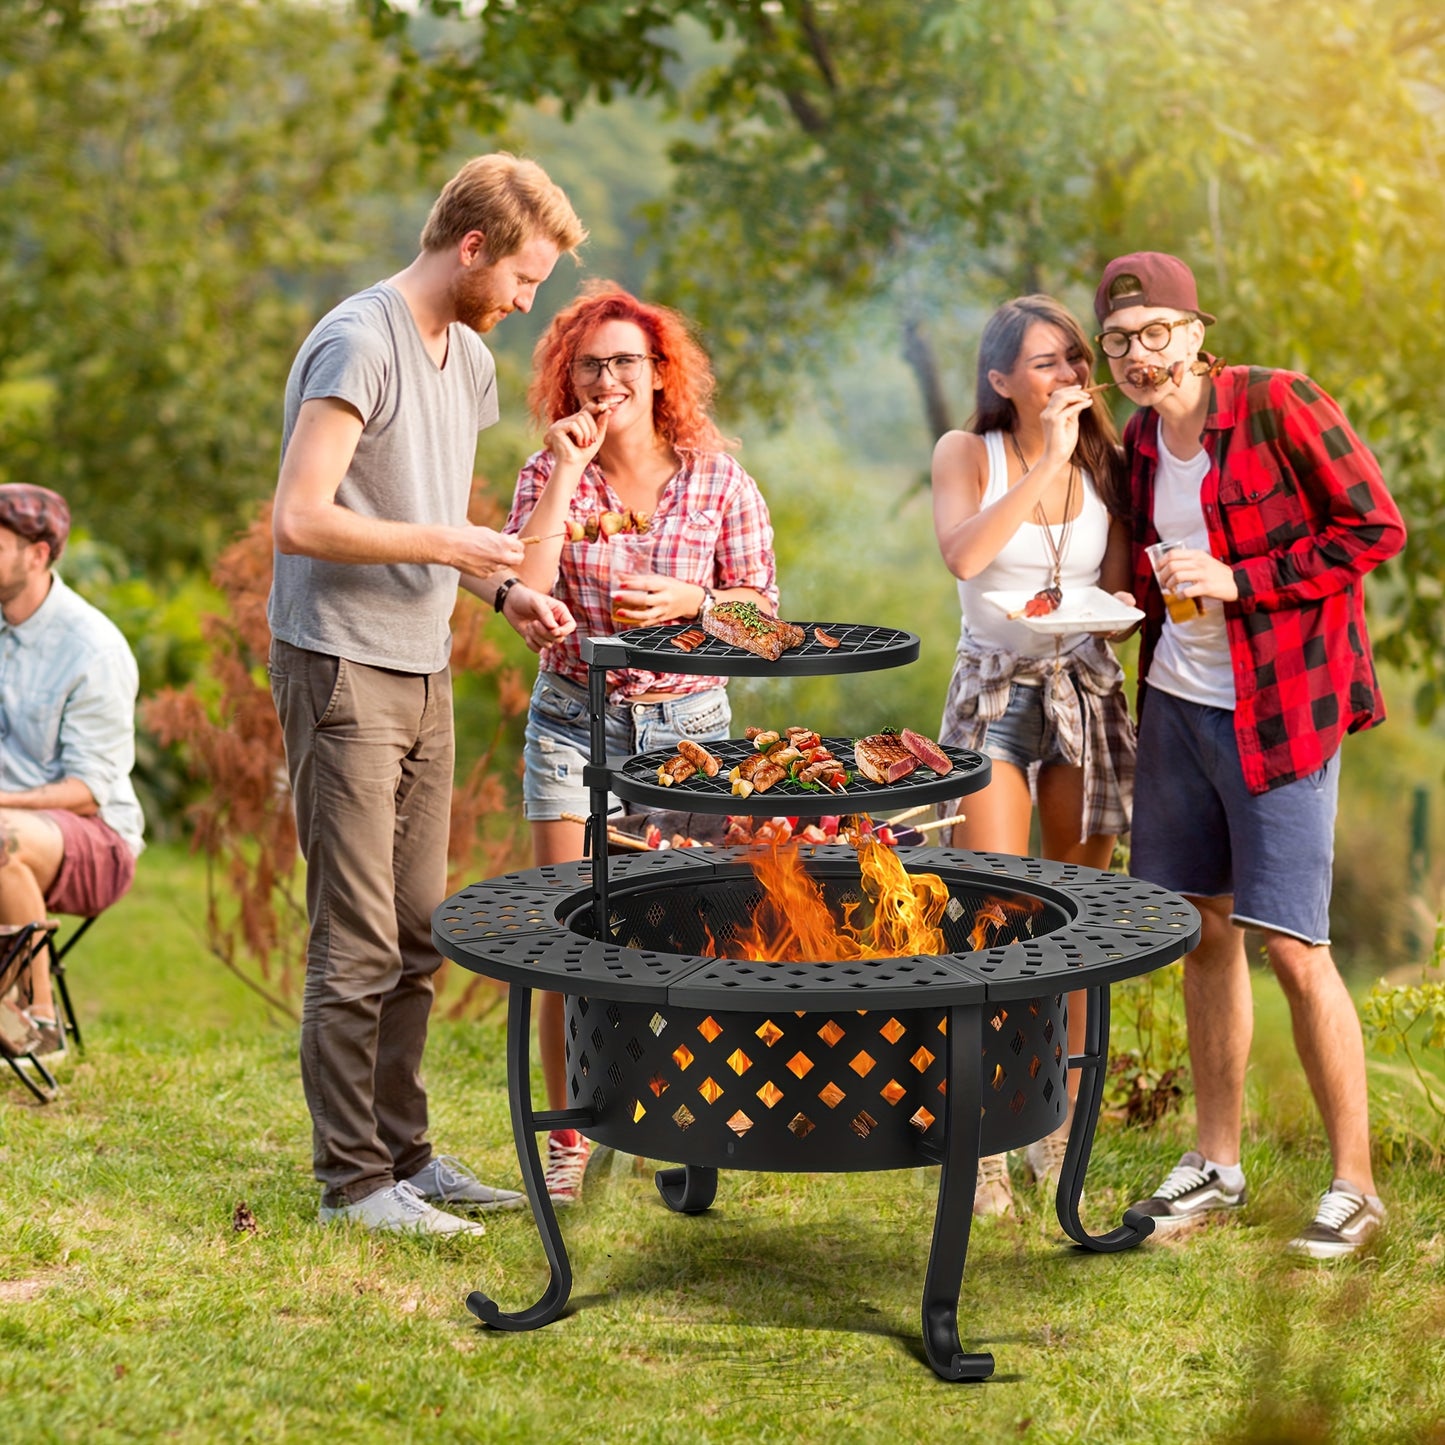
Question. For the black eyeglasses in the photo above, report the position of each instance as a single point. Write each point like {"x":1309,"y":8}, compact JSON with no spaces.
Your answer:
{"x":624,"y":366}
{"x":1153,"y":337}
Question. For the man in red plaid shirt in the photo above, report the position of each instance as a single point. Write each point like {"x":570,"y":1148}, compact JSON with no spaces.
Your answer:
{"x":1272,"y":511}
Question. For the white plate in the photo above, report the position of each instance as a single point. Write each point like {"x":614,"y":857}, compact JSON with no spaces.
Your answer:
{"x":1084,"y":609}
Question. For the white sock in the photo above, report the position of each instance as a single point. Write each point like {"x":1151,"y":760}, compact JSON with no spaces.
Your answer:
{"x":1230,"y":1175}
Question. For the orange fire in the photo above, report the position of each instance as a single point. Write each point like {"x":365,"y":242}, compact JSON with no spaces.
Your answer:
{"x":995,"y":914}
{"x":793,"y":924}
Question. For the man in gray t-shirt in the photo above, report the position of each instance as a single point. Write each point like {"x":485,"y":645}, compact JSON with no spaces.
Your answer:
{"x":383,"y":407}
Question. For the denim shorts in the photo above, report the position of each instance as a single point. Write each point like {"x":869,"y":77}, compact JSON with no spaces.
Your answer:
{"x":559,"y":738}
{"x":1199,"y":831}
{"x":1018,"y":736}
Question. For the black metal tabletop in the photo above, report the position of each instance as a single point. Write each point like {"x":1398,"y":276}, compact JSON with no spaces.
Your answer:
{"x":515,"y":928}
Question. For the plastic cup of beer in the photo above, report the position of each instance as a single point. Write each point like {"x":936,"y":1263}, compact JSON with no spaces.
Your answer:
{"x":628,"y":556}
{"x":1181,"y":608}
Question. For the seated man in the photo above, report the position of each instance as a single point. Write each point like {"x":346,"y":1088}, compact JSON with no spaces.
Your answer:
{"x":70,"y":824}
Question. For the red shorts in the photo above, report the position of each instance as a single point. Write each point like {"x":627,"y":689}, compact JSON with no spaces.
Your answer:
{"x":96,"y":869}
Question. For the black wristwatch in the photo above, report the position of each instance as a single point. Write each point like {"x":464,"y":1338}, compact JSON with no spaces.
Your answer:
{"x":500,"y":600}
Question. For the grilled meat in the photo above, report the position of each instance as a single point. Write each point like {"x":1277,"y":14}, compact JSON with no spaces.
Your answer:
{"x":926,"y":751}
{"x":699,"y":757}
{"x":743,"y":624}
{"x":883,"y":758}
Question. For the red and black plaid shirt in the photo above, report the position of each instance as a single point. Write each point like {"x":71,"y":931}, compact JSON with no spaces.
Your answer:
{"x":1296,"y":505}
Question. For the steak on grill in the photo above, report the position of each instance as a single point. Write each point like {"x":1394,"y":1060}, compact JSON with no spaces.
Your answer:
{"x":926,"y":751}
{"x":882,"y":758}
{"x":742,"y":624}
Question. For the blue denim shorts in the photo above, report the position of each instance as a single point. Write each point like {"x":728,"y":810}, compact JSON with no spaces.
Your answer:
{"x":1018,"y":736}
{"x":559,"y":738}
{"x":1199,"y":831}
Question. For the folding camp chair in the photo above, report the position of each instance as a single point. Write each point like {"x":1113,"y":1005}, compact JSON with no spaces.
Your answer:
{"x":65,"y":1015}
{"x":20,"y":945}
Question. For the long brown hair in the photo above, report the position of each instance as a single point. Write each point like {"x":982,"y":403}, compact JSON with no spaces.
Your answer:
{"x":998,"y":350}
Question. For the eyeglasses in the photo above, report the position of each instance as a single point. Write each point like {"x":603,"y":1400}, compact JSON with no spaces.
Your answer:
{"x":624,"y":366}
{"x":1153,"y":337}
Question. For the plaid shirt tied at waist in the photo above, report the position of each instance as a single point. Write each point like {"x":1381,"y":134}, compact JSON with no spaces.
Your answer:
{"x":1085,"y":714}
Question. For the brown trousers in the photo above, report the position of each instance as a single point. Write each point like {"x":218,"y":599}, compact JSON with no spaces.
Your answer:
{"x":369,"y":752}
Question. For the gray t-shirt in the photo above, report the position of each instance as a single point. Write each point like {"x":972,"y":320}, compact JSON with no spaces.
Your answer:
{"x":414,"y":463}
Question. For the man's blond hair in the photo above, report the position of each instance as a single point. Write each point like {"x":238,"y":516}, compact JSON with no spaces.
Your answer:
{"x":509,"y":200}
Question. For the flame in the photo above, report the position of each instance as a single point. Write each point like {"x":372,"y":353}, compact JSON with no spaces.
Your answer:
{"x":995,"y":915}
{"x":793,"y":923}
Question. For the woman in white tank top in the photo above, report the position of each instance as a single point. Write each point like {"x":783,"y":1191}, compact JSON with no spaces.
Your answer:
{"x":1022,"y":501}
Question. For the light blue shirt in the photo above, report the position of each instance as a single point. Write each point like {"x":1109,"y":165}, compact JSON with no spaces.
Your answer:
{"x":68,"y":685}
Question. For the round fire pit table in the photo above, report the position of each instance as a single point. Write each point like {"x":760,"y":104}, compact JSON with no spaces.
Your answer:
{"x":676,"y":1053}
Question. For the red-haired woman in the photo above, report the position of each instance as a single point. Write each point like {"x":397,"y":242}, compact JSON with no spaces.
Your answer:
{"x":623,"y":390}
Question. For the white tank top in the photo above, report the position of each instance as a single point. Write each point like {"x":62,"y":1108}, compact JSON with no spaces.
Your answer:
{"x":1023,"y":566}
{"x":1191,"y":659}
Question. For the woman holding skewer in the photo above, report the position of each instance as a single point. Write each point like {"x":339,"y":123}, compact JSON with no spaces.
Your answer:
{"x":1026,"y":500}
{"x":623,"y":391}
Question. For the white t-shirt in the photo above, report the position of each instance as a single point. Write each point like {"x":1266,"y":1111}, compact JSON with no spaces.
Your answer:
{"x":1192,"y":658}
{"x":1023,"y":565}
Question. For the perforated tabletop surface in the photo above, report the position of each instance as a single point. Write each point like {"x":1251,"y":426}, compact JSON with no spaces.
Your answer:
{"x":514,"y":928}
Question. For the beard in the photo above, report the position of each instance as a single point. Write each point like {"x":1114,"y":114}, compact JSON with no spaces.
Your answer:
{"x":477,"y":306}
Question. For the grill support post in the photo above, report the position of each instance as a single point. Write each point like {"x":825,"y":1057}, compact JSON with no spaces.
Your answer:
{"x":957,"y":1181}
{"x":1092,"y":1063}
{"x":525,"y":1124}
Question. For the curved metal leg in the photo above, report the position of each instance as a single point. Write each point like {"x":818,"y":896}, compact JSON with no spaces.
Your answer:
{"x":519,"y":1085}
{"x":689,"y":1190}
{"x":957,"y":1181}
{"x":1093,"y":1063}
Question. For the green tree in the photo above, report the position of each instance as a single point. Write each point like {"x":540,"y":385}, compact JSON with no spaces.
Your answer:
{"x":920,"y":160}
{"x":182,"y":188}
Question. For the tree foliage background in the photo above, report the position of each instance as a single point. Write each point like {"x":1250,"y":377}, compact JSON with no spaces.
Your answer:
{"x":837,"y":191}
{"x":925,"y":159}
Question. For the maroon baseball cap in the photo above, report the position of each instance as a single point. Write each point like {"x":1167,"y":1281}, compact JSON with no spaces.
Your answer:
{"x":35,"y":513}
{"x":1147,"y":278}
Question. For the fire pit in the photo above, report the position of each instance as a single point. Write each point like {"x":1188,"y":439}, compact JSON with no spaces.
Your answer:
{"x":687,"y":1042}
{"x":729,"y":1063}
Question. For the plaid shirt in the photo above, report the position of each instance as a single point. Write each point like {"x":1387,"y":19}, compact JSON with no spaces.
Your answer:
{"x":711,"y":527}
{"x":1296,"y":505}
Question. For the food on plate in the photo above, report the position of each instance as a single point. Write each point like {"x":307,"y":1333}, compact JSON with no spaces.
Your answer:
{"x":824,"y":638}
{"x":883,"y":758}
{"x":745,"y":625}
{"x":699,"y":757}
{"x":926,"y":751}
{"x":1044,"y":601}
{"x":675,"y":770}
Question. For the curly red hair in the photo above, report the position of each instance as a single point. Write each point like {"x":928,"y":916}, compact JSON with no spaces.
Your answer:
{"x":680,"y":408}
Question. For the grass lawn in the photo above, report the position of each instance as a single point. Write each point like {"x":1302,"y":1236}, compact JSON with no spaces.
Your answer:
{"x":131,"y":1310}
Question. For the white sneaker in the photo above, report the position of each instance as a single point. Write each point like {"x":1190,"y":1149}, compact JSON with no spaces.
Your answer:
{"x":446,"y":1180}
{"x":1346,"y":1221}
{"x":399,"y":1209}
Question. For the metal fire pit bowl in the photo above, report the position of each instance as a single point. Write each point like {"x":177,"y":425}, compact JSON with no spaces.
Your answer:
{"x":834,"y":1066}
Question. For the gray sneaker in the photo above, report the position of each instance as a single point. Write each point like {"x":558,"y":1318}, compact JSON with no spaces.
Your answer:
{"x":399,"y":1209}
{"x":1189,"y":1193}
{"x":1345,"y":1221}
{"x":446,"y":1180}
